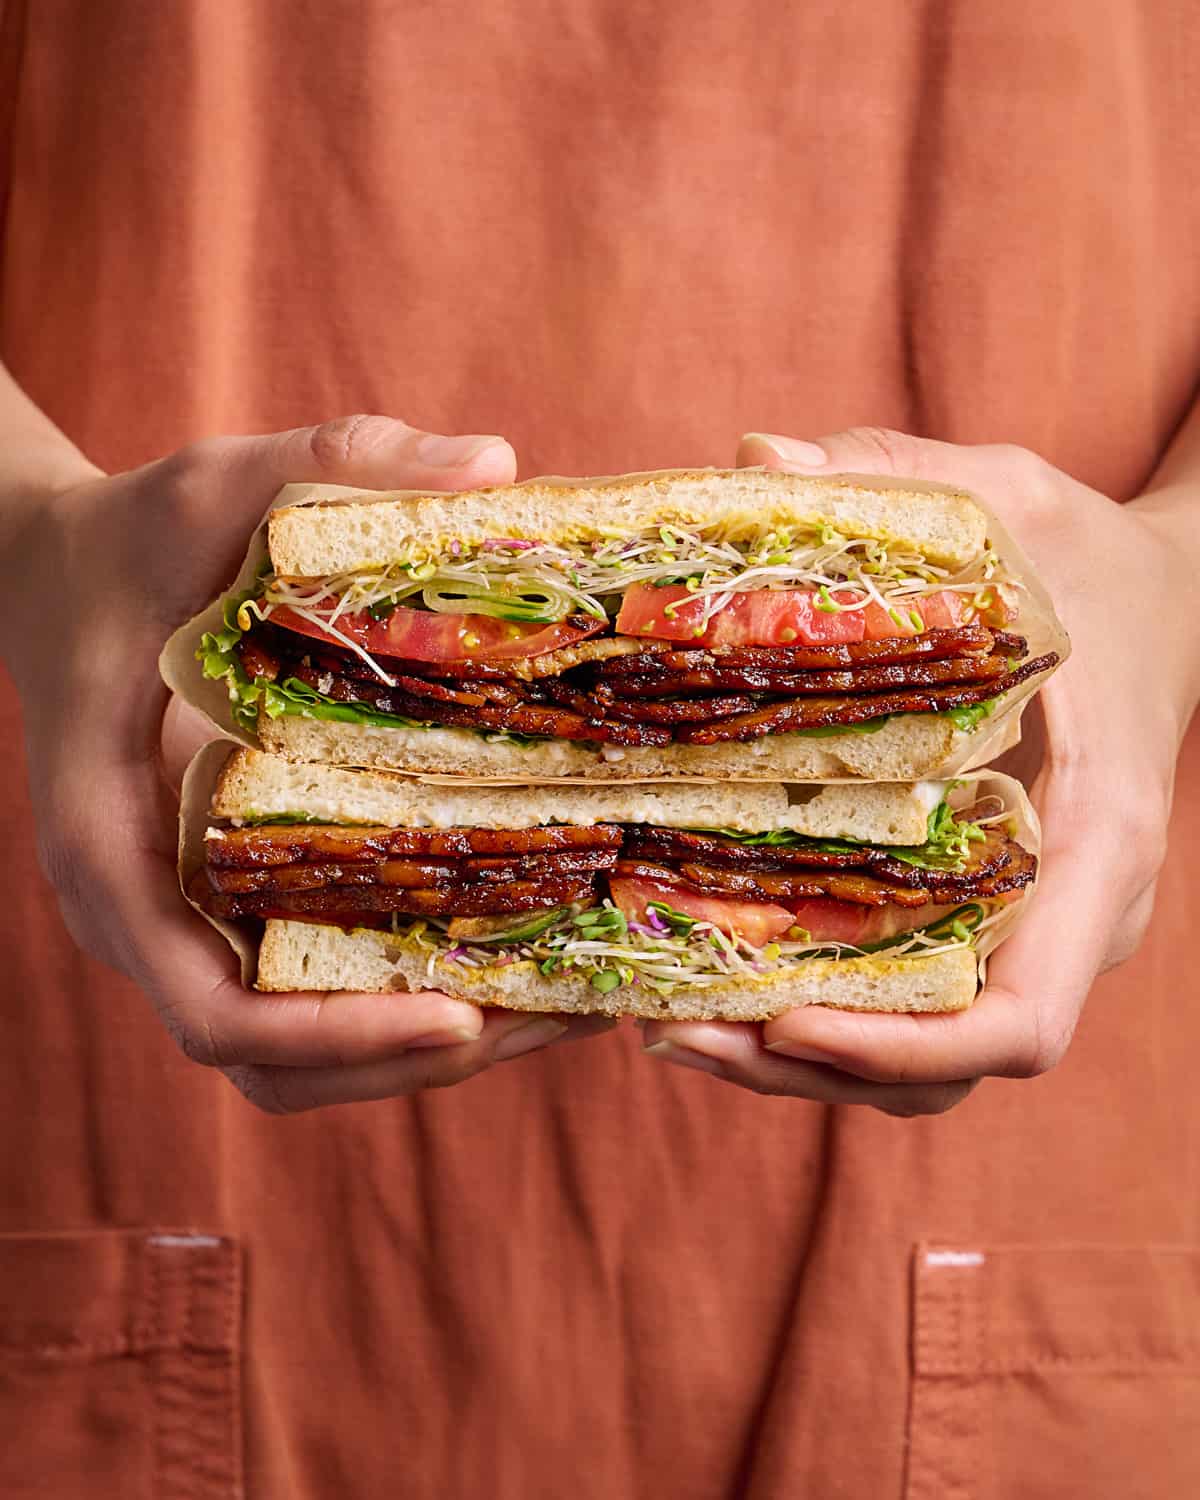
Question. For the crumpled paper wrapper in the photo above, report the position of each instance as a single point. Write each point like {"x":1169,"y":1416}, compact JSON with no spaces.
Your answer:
{"x":200,"y":781}
{"x":1038,"y":623}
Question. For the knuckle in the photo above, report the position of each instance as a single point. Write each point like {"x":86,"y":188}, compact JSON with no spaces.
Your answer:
{"x":1144,"y":837}
{"x":900,"y":452}
{"x":197,"y":1044}
{"x":1041,"y":1053}
{"x":203,"y":1044}
{"x":926,"y":1099}
{"x":266,"y":1090}
{"x":339,"y":442}
{"x":1028,"y":468}
{"x":1128,"y":934}
{"x":1023,"y":462}
{"x":444,"y":1073}
{"x":63,"y":859}
{"x":187,"y":476}
{"x":773,"y":1083}
{"x":65,"y":856}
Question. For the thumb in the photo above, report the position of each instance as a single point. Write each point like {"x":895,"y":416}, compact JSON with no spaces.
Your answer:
{"x":221,"y":485}
{"x":376,"y":452}
{"x":997,"y":470}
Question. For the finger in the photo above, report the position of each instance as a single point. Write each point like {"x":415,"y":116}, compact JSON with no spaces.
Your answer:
{"x":185,"y":732}
{"x":1028,"y":492}
{"x":123,"y":903}
{"x":383,"y":453}
{"x":1037,"y":980}
{"x":141,"y":923}
{"x":505,"y":1036}
{"x":735,"y":1053}
{"x":372,"y":452}
{"x":879,"y":450}
{"x":216,"y":490}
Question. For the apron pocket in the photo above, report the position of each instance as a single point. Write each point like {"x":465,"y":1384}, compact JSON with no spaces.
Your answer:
{"x":119,"y":1365}
{"x":1055,"y":1372}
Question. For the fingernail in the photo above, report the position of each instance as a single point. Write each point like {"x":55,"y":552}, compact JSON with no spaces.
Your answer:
{"x":452,"y":452}
{"x":791,"y":450}
{"x":801,"y":1053}
{"x":687,"y":1057}
{"x":527,"y":1038}
{"x":448,"y":1036}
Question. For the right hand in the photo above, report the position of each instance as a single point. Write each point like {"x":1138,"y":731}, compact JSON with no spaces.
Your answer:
{"x":100,"y":573}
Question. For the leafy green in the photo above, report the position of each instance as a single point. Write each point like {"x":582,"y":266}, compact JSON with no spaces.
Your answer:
{"x":521,"y":927}
{"x":972,"y":715}
{"x":945,"y":847}
{"x":679,"y":922}
{"x":504,"y":737}
{"x":867,"y":726}
{"x":248,"y":698}
{"x":218,"y":659}
{"x":264,"y":820}
{"x":294,"y":696}
{"x":946,"y":838}
{"x":602,"y":924}
{"x":782,"y":838}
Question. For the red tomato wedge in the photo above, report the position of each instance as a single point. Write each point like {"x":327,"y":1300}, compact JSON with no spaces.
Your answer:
{"x":425,"y":635}
{"x":776,"y":617}
{"x":757,"y":921}
{"x":830,"y":921}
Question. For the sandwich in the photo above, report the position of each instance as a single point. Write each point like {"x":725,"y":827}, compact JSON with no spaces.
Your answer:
{"x":745,"y":624}
{"x":727,"y":901}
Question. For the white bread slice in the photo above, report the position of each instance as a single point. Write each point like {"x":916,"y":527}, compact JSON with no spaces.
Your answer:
{"x":304,"y":956}
{"x":910,"y":747}
{"x":371,"y":529}
{"x":254,"y":785}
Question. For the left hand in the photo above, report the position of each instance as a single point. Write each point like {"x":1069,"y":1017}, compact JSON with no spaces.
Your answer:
{"x":1112,"y":720}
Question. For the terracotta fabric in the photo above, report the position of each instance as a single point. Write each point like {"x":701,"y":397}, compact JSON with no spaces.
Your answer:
{"x":620,"y":233}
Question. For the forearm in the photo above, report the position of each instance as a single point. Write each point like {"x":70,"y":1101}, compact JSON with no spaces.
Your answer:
{"x":1170,"y":506}
{"x":36,"y":459}
{"x":1173,"y":493}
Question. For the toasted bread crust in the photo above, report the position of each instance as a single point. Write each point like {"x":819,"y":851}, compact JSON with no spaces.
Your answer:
{"x":304,"y":956}
{"x":254,"y":785}
{"x":911,"y":747}
{"x":372,"y":529}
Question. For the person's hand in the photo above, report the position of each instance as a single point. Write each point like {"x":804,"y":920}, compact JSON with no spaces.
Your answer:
{"x":1111,"y":724}
{"x":99,"y":573}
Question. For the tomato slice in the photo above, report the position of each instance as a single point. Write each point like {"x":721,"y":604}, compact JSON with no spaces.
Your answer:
{"x":757,"y":921}
{"x":776,"y":617}
{"x":426,"y":635}
{"x":831,"y":921}
{"x":760,"y":617}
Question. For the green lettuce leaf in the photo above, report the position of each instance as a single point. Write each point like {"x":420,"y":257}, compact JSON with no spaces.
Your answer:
{"x":972,"y":716}
{"x":945,"y":848}
{"x":823,"y":731}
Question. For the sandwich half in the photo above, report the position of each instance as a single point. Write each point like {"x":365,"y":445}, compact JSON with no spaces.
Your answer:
{"x":743,"y":624}
{"x":732,"y":902}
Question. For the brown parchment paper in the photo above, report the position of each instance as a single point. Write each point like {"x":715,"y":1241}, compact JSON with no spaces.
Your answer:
{"x":1038,"y":623}
{"x":200,"y":781}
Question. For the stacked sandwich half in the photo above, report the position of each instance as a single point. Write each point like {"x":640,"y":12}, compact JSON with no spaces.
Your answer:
{"x":688,"y":744}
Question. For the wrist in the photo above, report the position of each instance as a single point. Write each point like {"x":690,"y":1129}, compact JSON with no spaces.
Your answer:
{"x":33,"y":480}
{"x":38,"y":462}
{"x":1171,"y":517}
